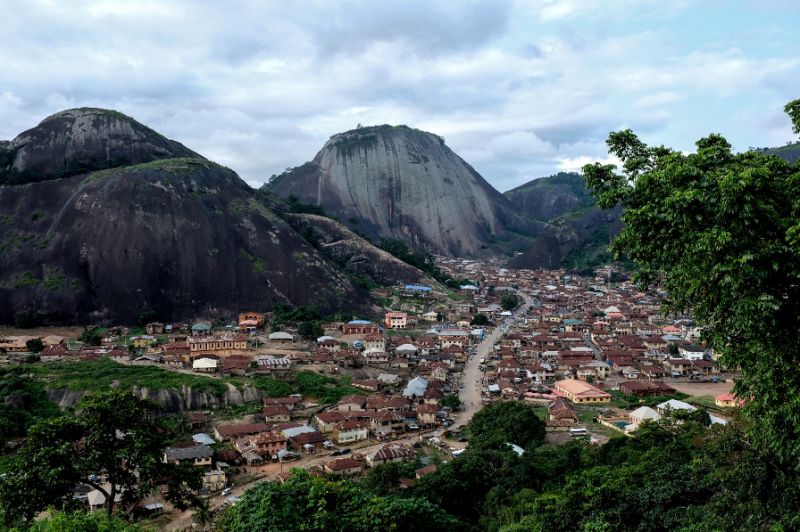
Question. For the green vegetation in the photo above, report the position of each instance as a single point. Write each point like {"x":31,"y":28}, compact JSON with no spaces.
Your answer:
{"x":111,"y":431}
{"x":83,"y":522}
{"x":509,"y":302}
{"x":34,"y":345}
{"x":450,"y":401}
{"x":625,"y":401}
{"x":480,"y":319}
{"x":99,"y":375}
{"x":421,"y":261}
{"x":732,"y":260}
{"x":23,"y":403}
{"x":307,"y":503}
{"x":297,"y":206}
{"x":310,"y":330}
{"x":258,"y":264}
{"x":27,"y":279}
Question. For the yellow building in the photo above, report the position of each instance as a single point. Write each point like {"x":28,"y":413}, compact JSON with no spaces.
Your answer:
{"x":582,"y":392}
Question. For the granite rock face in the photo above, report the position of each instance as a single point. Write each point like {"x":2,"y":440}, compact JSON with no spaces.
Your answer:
{"x":82,"y":140}
{"x":402,"y":183}
{"x":180,"y":236}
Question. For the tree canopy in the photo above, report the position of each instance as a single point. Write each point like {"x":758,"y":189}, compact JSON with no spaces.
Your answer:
{"x":307,"y":503}
{"x":720,"y":231}
{"x":112,"y":432}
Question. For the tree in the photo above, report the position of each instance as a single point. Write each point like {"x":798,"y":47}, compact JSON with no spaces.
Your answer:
{"x":721,"y":233}
{"x":90,"y":336}
{"x":504,"y":422}
{"x":34,"y":345}
{"x":479,"y":319}
{"x":509,"y":302}
{"x":111,"y":431}
{"x":82,"y":522}
{"x":307,"y":503}
{"x":310,"y":329}
{"x":440,"y":317}
{"x":451,"y":401}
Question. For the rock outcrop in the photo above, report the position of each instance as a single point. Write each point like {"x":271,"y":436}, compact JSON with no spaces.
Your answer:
{"x":548,"y":198}
{"x":179,"y":236}
{"x":402,"y":183}
{"x":354,"y":253}
{"x":82,"y":140}
{"x":173,"y":400}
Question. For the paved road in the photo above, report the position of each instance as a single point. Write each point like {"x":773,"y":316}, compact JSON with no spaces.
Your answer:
{"x":470,"y":394}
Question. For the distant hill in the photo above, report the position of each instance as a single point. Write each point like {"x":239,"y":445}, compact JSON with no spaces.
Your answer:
{"x":577,"y":233}
{"x":102,"y":218}
{"x":402,"y":183}
{"x":789,"y":152}
{"x":547,"y":198}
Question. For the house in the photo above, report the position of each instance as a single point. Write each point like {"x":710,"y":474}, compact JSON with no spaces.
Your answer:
{"x":293,"y":402}
{"x":646,"y":388}
{"x":276,"y":414}
{"x":250,"y":321}
{"x":281,"y":337}
{"x":439,"y":372}
{"x":678,"y":366}
{"x":273,"y":365}
{"x":201,"y":328}
{"x":674,"y":404}
{"x":214,"y":480}
{"x":360,"y":327}
{"x":223,"y":342}
{"x":205,"y":364}
{"x":144,"y":341}
{"x":426,"y":414}
{"x":326,"y":422}
{"x":416,"y":387}
{"x":389,"y":453}
{"x":560,"y":410}
{"x":266,"y":444}
{"x":385,"y":423}
{"x":352,"y":403}
{"x":307,"y":441}
{"x":692,"y":352}
{"x":350,"y":431}
{"x":197,"y":455}
{"x":427,"y":470}
{"x":727,"y":400}
{"x":375,"y":342}
{"x":396,"y":320}
{"x":154,"y":328}
{"x":344,"y":467}
{"x":373,"y":357}
{"x":642,"y":414}
{"x":234,"y":431}
{"x":236,"y":364}
{"x":581,"y":392}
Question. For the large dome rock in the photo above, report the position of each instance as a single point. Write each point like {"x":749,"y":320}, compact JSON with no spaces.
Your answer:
{"x":82,"y":140}
{"x":399,"y":182}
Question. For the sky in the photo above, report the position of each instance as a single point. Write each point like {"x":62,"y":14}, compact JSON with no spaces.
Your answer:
{"x":519,"y":89}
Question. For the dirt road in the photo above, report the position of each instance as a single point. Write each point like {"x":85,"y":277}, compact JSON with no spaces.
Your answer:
{"x":470,"y":394}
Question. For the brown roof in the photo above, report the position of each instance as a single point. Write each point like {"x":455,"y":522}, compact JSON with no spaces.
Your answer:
{"x":340,"y":464}
{"x":241,"y":429}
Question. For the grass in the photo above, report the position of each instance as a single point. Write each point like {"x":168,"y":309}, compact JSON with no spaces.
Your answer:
{"x":99,"y":375}
{"x":628,"y":402}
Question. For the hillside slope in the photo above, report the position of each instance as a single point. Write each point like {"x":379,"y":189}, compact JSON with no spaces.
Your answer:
{"x":402,"y":183}
{"x":180,"y":236}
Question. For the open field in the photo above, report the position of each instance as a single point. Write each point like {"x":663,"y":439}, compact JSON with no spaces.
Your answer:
{"x":702,"y":388}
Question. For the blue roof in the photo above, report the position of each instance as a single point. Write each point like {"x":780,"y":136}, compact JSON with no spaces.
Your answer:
{"x":359,"y":322}
{"x":418,"y":287}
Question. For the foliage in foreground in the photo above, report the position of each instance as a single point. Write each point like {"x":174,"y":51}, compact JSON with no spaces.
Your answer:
{"x":720,"y":232}
{"x":113,"y":432}
{"x":307,"y":503}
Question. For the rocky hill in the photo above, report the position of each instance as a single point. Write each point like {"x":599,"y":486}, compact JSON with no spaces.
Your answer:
{"x":82,"y":140}
{"x":402,"y":183}
{"x":178,"y":235}
{"x":548,"y":198}
{"x":353,"y":253}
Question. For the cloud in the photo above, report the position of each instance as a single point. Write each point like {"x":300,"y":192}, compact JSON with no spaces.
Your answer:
{"x":519,"y":89}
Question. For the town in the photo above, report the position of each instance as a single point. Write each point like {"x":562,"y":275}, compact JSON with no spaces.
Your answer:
{"x":592,"y":355}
